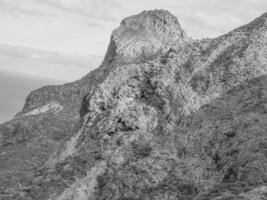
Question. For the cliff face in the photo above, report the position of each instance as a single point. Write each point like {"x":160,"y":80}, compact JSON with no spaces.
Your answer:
{"x":163,"y":117}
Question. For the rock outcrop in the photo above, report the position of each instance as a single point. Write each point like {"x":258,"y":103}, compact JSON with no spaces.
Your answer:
{"x":143,"y":37}
{"x":164,"y":117}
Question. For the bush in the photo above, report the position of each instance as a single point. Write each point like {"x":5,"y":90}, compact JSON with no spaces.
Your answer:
{"x":141,"y":149}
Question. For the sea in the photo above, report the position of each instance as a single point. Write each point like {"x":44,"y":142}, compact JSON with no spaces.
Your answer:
{"x":14,"y":88}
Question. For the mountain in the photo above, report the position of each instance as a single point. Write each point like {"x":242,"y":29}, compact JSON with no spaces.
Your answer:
{"x":164,"y":117}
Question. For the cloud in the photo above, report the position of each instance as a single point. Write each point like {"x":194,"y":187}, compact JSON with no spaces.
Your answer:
{"x":75,"y":26}
{"x":84,"y":26}
{"x":210,"y":18}
{"x":90,"y":9}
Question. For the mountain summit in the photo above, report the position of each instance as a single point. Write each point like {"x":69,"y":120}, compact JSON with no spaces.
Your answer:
{"x":164,"y":117}
{"x":145,"y":36}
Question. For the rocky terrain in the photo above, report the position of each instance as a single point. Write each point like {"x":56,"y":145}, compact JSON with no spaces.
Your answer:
{"x":164,"y":117}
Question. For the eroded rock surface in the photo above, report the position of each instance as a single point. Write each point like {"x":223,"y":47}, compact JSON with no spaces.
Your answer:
{"x":164,"y":117}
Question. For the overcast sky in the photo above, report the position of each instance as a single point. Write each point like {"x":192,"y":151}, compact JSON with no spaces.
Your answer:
{"x":83,"y":27}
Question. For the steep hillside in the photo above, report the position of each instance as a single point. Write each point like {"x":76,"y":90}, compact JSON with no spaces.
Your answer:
{"x":164,"y":117}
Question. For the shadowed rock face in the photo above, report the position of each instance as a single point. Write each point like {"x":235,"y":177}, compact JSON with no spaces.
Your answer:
{"x":164,"y":117}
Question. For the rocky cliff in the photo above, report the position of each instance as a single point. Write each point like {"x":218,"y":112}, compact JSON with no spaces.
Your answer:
{"x":164,"y":117}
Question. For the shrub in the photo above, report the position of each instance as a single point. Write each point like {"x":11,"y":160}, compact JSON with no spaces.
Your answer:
{"x":141,"y":149}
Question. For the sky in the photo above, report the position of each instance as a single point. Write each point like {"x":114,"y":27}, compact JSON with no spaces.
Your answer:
{"x":83,"y":27}
{"x":36,"y":63}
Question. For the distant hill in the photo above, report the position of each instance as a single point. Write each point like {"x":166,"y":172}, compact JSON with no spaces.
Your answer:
{"x":14,"y":89}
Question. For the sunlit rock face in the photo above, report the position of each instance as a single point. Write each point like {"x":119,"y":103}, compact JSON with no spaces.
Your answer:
{"x":165,"y":117}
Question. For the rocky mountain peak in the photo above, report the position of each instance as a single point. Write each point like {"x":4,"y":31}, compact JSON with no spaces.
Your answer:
{"x":144,"y":36}
{"x":160,"y":24}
